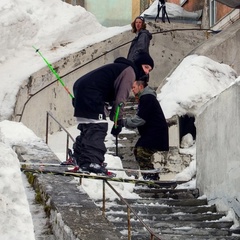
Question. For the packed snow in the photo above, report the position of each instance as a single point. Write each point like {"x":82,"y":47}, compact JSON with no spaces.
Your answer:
{"x":60,"y":29}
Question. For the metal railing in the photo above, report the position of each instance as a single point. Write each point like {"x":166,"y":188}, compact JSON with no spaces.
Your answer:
{"x":129,"y":210}
{"x":49,"y":114}
{"x":105,"y":181}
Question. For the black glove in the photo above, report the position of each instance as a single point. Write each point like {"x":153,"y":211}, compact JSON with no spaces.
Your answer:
{"x":117,"y":129}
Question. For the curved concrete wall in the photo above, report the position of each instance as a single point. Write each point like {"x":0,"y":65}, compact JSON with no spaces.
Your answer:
{"x":218,"y":151}
{"x":224,"y":47}
{"x":41,"y":92}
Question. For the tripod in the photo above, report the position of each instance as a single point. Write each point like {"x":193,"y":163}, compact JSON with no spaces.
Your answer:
{"x":164,"y":12}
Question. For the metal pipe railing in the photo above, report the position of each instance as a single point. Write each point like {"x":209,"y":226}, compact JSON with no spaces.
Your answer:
{"x":49,"y":114}
{"x":129,"y":209}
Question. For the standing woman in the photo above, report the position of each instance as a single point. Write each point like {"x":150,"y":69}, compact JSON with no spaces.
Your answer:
{"x":142,"y":39}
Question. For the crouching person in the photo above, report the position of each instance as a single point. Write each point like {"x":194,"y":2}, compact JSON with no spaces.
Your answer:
{"x":152,"y":127}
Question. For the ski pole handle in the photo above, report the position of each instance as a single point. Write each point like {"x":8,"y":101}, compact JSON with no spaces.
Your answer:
{"x":117,"y":114}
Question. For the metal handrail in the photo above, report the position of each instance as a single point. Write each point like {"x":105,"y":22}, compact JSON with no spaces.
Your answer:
{"x":49,"y":114}
{"x":129,"y":208}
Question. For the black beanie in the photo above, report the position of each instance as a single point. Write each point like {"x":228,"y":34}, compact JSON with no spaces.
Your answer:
{"x":142,"y":58}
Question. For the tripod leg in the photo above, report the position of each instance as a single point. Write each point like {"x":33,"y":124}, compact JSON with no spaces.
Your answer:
{"x":166,"y":15}
{"x":163,"y":14}
{"x":159,"y":9}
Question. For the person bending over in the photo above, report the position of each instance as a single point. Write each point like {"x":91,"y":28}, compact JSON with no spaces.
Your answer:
{"x":110,"y":83}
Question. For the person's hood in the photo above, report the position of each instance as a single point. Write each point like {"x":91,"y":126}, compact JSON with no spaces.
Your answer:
{"x":129,"y":63}
{"x":124,"y":61}
{"x":148,"y":90}
{"x":147,"y":32}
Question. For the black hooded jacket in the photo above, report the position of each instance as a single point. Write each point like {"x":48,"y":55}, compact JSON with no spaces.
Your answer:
{"x":110,"y":83}
{"x":150,"y":121}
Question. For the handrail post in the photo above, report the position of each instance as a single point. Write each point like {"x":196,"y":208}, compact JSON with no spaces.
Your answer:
{"x":64,"y":129}
{"x":129,"y":223}
{"x":47,"y":119}
{"x":67,"y":146}
{"x":104,"y":199}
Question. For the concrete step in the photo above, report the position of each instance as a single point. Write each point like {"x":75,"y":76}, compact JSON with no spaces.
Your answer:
{"x":144,"y":236}
{"x":188,"y":231}
{"x":47,"y":237}
{"x":177,"y":230}
{"x":169,"y":202}
{"x":170,"y":217}
{"x":145,"y":192}
{"x":150,"y":209}
{"x":165,"y":225}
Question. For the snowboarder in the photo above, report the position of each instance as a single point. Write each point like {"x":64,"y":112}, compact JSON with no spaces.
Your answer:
{"x":110,"y":83}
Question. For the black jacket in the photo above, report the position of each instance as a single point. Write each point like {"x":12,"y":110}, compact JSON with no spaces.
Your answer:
{"x":150,"y":121}
{"x":110,"y":83}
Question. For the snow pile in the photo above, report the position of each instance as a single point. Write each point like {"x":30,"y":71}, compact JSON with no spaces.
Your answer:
{"x":24,"y":24}
{"x":16,"y":220}
{"x":194,"y":82}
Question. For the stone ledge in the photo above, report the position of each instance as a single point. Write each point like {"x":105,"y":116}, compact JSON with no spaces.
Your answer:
{"x":73,"y":215}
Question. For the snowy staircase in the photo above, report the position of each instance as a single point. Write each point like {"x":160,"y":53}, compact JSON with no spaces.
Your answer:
{"x":183,"y":218}
{"x":173,"y":214}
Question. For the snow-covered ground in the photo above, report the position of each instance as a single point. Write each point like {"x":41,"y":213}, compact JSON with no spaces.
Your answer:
{"x":59,"y":29}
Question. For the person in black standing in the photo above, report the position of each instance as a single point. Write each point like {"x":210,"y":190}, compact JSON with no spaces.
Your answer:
{"x":152,"y":127}
{"x":110,"y":83}
{"x":142,"y":39}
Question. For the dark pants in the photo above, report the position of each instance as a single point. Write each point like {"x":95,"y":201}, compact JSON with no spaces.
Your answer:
{"x":89,"y":146}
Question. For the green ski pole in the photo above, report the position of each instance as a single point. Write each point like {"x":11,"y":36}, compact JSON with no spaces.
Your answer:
{"x":54,"y":72}
{"x":115,"y":124}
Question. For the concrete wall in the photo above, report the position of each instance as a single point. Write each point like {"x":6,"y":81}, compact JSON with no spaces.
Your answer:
{"x":224,"y":47}
{"x":218,"y":150}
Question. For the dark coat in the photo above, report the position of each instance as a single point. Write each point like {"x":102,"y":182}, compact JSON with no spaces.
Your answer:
{"x":151,"y":122}
{"x":110,"y":83}
{"x":139,"y":44}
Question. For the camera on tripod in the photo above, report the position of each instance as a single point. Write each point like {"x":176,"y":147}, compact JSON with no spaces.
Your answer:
{"x":162,"y":5}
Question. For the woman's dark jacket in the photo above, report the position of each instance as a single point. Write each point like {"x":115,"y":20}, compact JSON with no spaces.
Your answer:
{"x":139,"y":44}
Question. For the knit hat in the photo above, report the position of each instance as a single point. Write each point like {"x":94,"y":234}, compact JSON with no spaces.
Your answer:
{"x":142,"y":58}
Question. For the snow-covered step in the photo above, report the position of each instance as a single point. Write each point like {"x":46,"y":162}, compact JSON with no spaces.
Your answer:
{"x":145,"y":236}
{"x":169,"y":217}
{"x":152,"y":209}
{"x":184,"y":218}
